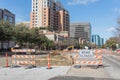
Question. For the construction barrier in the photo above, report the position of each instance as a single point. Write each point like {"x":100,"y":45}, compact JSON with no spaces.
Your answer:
{"x":76,"y":51}
{"x":22,"y":50}
{"x":118,"y":51}
{"x":20,"y":60}
{"x":71,"y":51}
{"x":88,"y":57}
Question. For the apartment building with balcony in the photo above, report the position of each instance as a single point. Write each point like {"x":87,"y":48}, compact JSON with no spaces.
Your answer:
{"x":49,"y":14}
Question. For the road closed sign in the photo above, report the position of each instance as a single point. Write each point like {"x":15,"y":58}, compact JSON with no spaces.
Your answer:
{"x":86,"y":54}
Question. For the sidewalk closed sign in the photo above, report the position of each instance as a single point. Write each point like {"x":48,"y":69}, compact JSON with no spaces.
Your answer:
{"x":86,"y":54}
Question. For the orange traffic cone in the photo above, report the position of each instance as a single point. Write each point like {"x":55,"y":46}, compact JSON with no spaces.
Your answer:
{"x":49,"y":66}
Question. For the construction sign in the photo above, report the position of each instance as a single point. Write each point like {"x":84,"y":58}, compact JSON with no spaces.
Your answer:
{"x":88,"y":57}
{"x":86,"y":54}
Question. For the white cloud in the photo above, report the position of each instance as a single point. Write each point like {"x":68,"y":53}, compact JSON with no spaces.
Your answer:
{"x":111,"y":29}
{"x":81,"y":2}
{"x":116,"y":10}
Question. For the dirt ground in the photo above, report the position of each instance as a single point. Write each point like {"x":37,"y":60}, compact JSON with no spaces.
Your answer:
{"x":41,"y":60}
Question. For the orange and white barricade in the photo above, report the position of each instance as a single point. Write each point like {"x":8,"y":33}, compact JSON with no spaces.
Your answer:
{"x":65,"y":50}
{"x":22,"y":50}
{"x":71,"y":51}
{"x":88,"y":57}
{"x":76,"y":51}
{"x":98,"y":51}
{"x":23,"y":60}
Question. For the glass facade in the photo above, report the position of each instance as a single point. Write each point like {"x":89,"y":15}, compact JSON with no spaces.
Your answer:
{"x":6,"y":15}
{"x":96,"y":39}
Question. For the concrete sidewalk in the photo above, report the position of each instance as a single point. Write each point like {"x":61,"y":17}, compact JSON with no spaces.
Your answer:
{"x":40,"y":73}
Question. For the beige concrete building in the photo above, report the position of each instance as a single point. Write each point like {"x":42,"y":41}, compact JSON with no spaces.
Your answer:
{"x":27,"y":24}
{"x":64,"y":33}
{"x":49,"y":14}
{"x":81,"y":31}
{"x":56,"y":37}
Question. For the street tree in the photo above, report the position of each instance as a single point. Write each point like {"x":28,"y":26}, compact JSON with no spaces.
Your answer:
{"x":117,"y":29}
{"x":6,"y":32}
{"x":111,"y":43}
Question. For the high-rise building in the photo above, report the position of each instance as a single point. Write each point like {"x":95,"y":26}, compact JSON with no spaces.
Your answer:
{"x":101,"y":41}
{"x":49,"y":14}
{"x":6,"y":15}
{"x":96,"y":39}
{"x":81,"y":31}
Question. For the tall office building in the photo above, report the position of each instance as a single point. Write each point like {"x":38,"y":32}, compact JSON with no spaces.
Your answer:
{"x":6,"y":15}
{"x":101,"y":41}
{"x":81,"y":31}
{"x":49,"y":14}
{"x":96,"y":39}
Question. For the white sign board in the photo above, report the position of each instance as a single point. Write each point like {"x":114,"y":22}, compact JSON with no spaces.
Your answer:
{"x":86,"y":54}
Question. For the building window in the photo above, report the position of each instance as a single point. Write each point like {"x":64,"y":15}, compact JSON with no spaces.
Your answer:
{"x":11,"y":20}
{"x":5,"y":18}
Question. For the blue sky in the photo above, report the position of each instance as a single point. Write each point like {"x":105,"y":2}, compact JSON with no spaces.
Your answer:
{"x":102,"y":14}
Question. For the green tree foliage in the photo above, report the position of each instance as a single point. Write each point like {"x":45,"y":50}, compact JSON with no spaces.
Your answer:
{"x":117,"y":29}
{"x":77,"y":45}
{"x":111,"y":43}
{"x":25,"y":37}
{"x":6,"y":32}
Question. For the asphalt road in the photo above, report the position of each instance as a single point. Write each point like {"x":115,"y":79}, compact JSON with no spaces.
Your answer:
{"x":110,"y":71}
{"x":113,"y":66}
